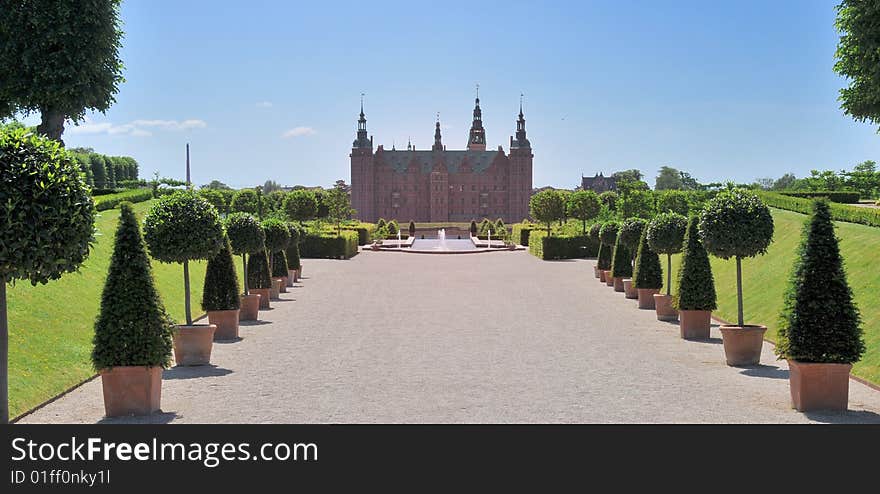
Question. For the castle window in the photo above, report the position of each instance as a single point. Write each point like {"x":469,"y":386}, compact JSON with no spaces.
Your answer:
{"x":473,"y":188}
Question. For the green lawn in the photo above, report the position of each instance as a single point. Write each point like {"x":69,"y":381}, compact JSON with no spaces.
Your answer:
{"x":765,"y":280}
{"x":50,"y":326}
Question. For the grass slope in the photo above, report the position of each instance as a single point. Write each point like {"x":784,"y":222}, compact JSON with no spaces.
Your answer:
{"x":51,"y":326}
{"x":765,"y":280}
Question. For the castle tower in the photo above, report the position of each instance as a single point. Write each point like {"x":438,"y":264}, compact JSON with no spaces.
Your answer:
{"x":477,"y":138}
{"x":520,"y":181}
{"x":362,"y":171}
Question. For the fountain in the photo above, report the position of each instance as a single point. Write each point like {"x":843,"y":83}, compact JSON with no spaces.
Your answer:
{"x":441,"y":235}
{"x":489,"y":243}
{"x":398,"y":239}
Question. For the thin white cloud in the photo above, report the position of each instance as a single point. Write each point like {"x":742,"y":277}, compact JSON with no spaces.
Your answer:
{"x":299,"y":132}
{"x":264,"y":104}
{"x":137,"y":128}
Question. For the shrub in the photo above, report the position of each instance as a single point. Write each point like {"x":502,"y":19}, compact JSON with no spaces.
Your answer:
{"x":277,"y":234}
{"x":736,"y":224}
{"x":631,"y":232}
{"x":381,"y":224}
{"x":839,"y":212}
{"x":327,"y":246}
{"x":110,"y":201}
{"x":609,"y":199}
{"x":603,"y":260}
{"x":820,"y":322}
{"x":221,"y":282}
{"x":500,"y":229}
{"x":696,"y":287}
{"x":215,"y":198}
{"x":608,"y":232}
{"x":647,"y":273}
{"x":520,"y":232}
{"x":300,"y":205}
{"x":546,"y":207}
{"x":292,"y":251}
{"x":412,"y":229}
{"x":245,"y":201}
{"x":258,"y":272}
{"x":366,"y":232}
{"x":839,"y":196}
{"x":279,"y":264}
{"x":474,"y":229}
{"x":560,"y":247}
{"x":583,"y":205}
{"x":594,"y":232}
{"x":180,"y":228}
{"x":392,"y":227}
{"x":673,"y":201}
{"x":132,"y":327}
{"x":665,"y":234}
{"x":637,"y":203}
{"x":246,"y":236}
{"x":621,"y":260}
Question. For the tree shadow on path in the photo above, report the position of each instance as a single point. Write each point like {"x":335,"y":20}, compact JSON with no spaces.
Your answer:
{"x":768,"y":371}
{"x":847,"y":417}
{"x":194,"y":372}
{"x":159,"y":417}
{"x":254,"y":323}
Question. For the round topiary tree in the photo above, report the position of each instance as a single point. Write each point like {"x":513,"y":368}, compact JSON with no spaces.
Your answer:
{"x":216,"y":198}
{"x":621,"y":260}
{"x":546,"y":207}
{"x":696,"y":287}
{"x":246,"y":237}
{"x":607,"y":239}
{"x":277,"y":237}
{"x":183,"y":227}
{"x":665,"y":235}
{"x":221,"y":282}
{"x":583,"y":205}
{"x":820,"y":322}
{"x":279,"y":264}
{"x":293,"y":261}
{"x":245,"y":201}
{"x":300,"y":205}
{"x":647,"y":274}
{"x":47,"y":223}
{"x":631,"y":233}
{"x":258,"y":272}
{"x":736,"y":224}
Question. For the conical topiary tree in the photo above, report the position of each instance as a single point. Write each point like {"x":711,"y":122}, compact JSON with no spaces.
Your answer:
{"x":258,"y":271}
{"x":647,"y":273}
{"x":665,"y":235}
{"x":180,"y":228}
{"x":473,"y":228}
{"x":380,"y":224}
{"x":279,"y":264}
{"x":820,"y":322}
{"x":246,"y":237}
{"x":621,"y":260}
{"x":292,"y":251}
{"x":221,"y":282}
{"x":696,"y":287}
{"x":392,"y":227}
{"x":500,"y":229}
{"x":412,"y":228}
{"x":132,"y":328}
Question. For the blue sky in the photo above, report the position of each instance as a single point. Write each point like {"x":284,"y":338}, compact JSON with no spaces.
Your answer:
{"x":261,"y":90}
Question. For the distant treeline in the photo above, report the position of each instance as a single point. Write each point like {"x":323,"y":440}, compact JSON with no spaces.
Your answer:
{"x":106,"y":172}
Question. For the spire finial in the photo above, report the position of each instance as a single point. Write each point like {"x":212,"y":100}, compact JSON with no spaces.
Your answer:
{"x":520,"y":103}
{"x":362,"y":104}
{"x":478,"y":91}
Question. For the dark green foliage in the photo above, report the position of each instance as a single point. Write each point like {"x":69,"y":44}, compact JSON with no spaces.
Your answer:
{"x":696,"y":287}
{"x":631,"y":232}
{"x":621,"y":260}
{"x":183,"y":227}
{"x":647,"y":273}
{"x":215,"y":198}
{"x":412,"y":229}
{"x":329,"y":246}
{"x":673,"y":201}
{"x":279,"y":264}
{"x":132,"y":327}
{"x":46,"y":214}
{"x":546,"y":207}
{"x":820,"y":322}
{"x":221,"y":282}
{"x":609,"y":199}
{"x":364,"y":230}
{"x":258,"y":273}
{"x":60,"y":58}
{"x":557,"y":247}
{"x":292,"y":251}
{"x":246,"y":235}
{"x":839,"y":196}
{"x":300,"y":205}
{"x":277,"y":234}
{"x":381,"y":224}
{"x":858,"y":58}
{"x":603,"y":261}
{"x":637,"y":204}
{"x":839,"y":212}
{"x":583,"y":205}
{"x":666,"y":233}
{"x":608,"y":232}
{"x":736,"y":224}
{"x":110,"y":201}
{"x":245,"y":201}
{"x":473,"y":228}
{"x":99,"y":170}
{"x":392,"y":227}
{"x":594,"y":232}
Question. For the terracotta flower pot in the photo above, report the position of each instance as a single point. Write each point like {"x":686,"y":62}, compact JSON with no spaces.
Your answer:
{"x":695,"y":324}
{"x":299,"y":272}
{"x":226,"y":322}
{"x":818,"y":386}
{"x":283,"y":288}
{"x":131,"y":390}
{"x":609,"y":280}
{"x":275,"y":291}
{"x":264,"y":297}
{"x":618,"y":284}
{"x":601,"y":275}
{"x":742,"y":344}
{"x":291,"y":277}
{"x":192,"y":344}
{"x":664,"y":308}
{"x":296,"y":276}
{"x":596,"y":272}
{"x":646,"y":297}
{"x":629,"y":289}
{"x":250,"y":306}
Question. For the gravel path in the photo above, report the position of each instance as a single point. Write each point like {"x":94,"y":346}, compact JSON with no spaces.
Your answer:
{"x":485,"y":338}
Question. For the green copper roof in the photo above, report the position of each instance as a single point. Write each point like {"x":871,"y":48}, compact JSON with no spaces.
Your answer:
{"x":400,"y":160}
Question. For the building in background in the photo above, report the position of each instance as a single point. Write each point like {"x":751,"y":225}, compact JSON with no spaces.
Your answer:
{"x":598,"y":183}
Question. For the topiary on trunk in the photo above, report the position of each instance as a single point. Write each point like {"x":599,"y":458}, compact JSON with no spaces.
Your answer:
{"x":292,"y":251}
{"x":696,"y":287}
{"x":246,"y":236}
{"x":279,"y":264}
{"x":258,"y":271}
{"x":594,"y":232}
{"x":820,"y":322}
{"x":221,"y":282}
{"x":607,"y":239}
{"x":277,"y":237}
{"x":665,"y":234}
{"x":621,"y":260}
{"x":631,"y":232}
{"x":132,"y":328}
{"x":647,"y":273}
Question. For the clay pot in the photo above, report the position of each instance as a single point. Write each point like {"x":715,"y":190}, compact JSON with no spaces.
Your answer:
{"x":596,"y":272}
{"x":646,"y":297}
{"x":664,"y":308}
{"x":629,"y":289}
{"x":131,"y":390}
{"x":609,"y":280}
{"x":742,"y":344}
{"x":249,"y":307}
{"x":618,"y":284}
{"x":695,"y":324}
{"x":299,"y":272}
{"x":601,"y":275}
{"x":226,"y":322}
{"x":264,"y":297}
{"x":291,"y":277}
{"x":192,"y":344}
{"x":283,"y":287}
{"x":818,"y":386}
{"x":274,"y":292}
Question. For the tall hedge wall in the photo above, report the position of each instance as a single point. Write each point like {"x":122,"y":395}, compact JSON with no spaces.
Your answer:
{"x":840,"y":196}
{"x":839,"y":212}
{"x":547,"y":248}
{"x":329,"y":246}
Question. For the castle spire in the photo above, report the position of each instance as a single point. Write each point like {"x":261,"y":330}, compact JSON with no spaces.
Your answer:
{"x":362,"y":141}
{"x":477,"y":138}
{"x":521,"y":140}
{"x":438,"y":144}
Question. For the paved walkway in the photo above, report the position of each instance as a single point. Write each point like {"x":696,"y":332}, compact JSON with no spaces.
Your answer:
{"x":495,"y":337}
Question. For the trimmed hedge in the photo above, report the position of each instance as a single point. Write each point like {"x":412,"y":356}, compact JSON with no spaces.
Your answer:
{"x":328,"y":246}
{"x":839,"y":212}
{"x":365,"y":232}
{"x":111,"y":201}
{"x":840,"y":196}
{"x":521,"y":231}
{"x":547,"y":248}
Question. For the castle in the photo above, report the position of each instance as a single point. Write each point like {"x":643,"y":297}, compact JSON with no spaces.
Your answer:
{"x":441,"y":185}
